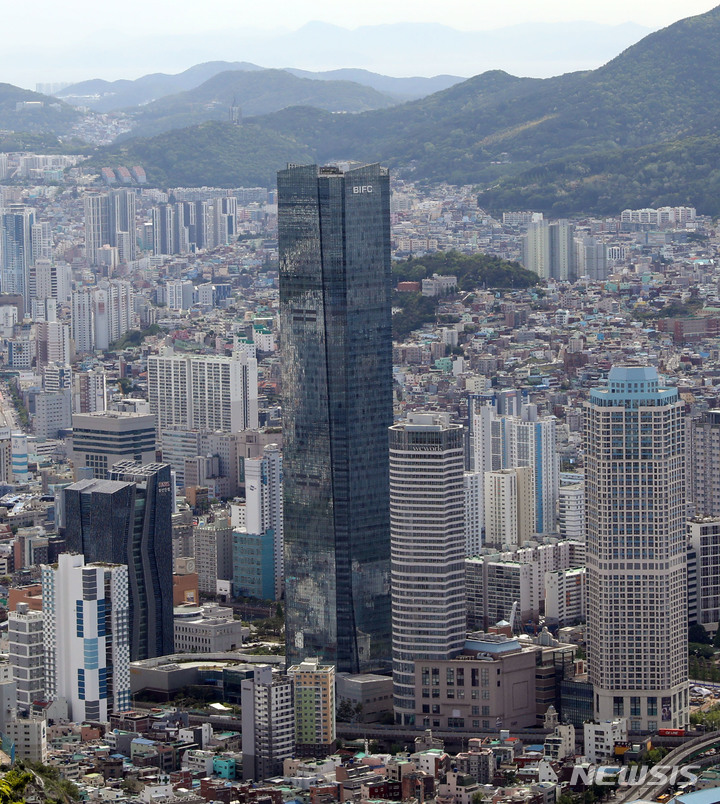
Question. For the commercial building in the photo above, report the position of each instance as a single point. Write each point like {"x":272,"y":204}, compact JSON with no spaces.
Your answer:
{"x":601,"y":738}
{"x":636,"y":550}
{"x":428,"y":548}
{"x":370,"y":695}
{"x":335,"y":324}
{"x":87,"y":639}
{"x":253,"y":564}
{"x":207,"y":629}
{"x":127,"y":519}
{"x":492,"y":683}
{"x":268,"y":723}
{"x":314,"y":691}
{"x":105,"y":438}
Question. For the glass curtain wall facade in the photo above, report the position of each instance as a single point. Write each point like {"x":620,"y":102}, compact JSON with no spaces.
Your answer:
{"x":128,"y":520}
{"x":334,"y":242}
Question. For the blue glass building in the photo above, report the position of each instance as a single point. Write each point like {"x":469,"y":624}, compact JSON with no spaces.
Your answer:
{"x":335,"y":324}
{"x":127,"y":519}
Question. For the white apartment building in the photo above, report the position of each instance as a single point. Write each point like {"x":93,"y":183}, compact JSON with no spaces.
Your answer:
{"x":213,"y":553}
{"x":509,"y":507}
{"x":264,"y":503}
{"x":26,"y":655}
{"x":496,"y":580}
{"x":704,"y":464}
{"x":636,"y":550}
{"x":112,"y":311}
{"x":571,"y":509}
{"x":30,"y":737}
{"x":268,"y":723}
{"x":87,"y":641}
{"x":566,"y":596}
{"x":204,"y":393}
{"x":427,"y":536}
{"x":506,"y":441}
{"x":81,"y":311}
{"x":704,"y":539}
{"x":473,"y":484}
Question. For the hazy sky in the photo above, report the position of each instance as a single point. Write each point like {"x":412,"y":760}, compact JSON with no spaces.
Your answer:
{"x":45,"y":39}
{"x":48,"y":20}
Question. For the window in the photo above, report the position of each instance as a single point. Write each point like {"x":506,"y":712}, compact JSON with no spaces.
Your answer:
{"x":450,"y":676}
{"x":618,"y":706}
{"x":634,"y":707}
{"x":651,"y":707}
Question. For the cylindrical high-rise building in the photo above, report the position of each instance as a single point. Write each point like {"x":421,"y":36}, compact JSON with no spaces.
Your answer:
{"x":427,"y":527}
{"x":636,"y":555}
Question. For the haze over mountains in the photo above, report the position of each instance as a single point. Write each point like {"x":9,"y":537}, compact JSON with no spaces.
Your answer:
{"x":401,"y":49}
{"x":511,"y":134}
{"x":640,"y":130}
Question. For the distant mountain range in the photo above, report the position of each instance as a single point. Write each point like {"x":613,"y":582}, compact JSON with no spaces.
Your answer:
{"x":583,"y":133}
{"x":402,"y":49}
{"x":108,"y":96}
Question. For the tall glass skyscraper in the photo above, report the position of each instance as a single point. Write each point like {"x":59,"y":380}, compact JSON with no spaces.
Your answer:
{"x":636,"y":554}
{"x":334,"y":241}
{"x":127,"y":519}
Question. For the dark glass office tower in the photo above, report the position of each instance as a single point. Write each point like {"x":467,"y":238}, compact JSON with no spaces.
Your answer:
{"x":128,"y":520}
{"x":334,"y":241}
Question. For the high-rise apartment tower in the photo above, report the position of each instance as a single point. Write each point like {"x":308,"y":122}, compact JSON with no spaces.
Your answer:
{"x":636,"y":553}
